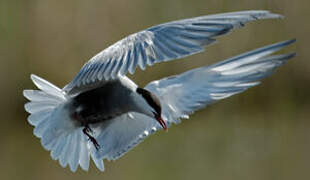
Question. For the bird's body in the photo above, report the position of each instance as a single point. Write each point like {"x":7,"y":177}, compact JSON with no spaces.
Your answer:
{"x":102,"y":114}
{"x":106,"y":102}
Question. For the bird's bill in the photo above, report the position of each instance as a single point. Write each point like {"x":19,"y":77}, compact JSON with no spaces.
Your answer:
{"x":162,"y":123}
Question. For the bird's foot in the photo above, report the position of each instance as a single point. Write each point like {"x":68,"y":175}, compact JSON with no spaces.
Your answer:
{"x":86,"y":131}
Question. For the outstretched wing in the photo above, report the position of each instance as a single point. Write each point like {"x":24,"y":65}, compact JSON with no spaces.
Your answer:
{"x":160,"y":43}
{"x":183,"y":94}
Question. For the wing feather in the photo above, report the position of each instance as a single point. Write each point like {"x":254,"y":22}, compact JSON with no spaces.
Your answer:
{"x":185,"y":93}
{"x":160,"y":43}
{"x":119,"y":135}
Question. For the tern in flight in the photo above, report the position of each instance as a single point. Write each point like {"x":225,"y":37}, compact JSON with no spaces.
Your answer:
{"x":102,"y":114}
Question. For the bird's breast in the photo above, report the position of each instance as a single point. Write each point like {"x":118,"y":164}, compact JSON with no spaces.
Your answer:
{"x":100,"y":104}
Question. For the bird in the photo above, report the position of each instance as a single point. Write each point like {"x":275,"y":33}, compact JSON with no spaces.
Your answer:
{"x":102,"y":114}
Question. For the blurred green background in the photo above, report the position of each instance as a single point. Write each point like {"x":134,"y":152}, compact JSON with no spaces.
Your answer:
{"x":260,"y":134}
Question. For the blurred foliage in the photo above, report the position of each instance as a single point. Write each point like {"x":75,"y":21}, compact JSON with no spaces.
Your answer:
{"x":260,"y":134}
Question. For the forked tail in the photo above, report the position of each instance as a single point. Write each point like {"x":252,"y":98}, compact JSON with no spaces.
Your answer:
{"x":54,"y":126}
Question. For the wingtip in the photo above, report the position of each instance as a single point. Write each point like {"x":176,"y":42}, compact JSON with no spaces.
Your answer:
{"x":286,"y":43}
{"x":291,"y":55}
{"x":264,"y":14}
{"x":290,"y":41}
{"x":280,"y":45}
{"x":275,"y":16}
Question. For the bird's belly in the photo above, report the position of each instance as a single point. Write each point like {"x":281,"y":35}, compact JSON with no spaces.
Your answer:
{"x":101,"y":104}
{"x":97,"y":117}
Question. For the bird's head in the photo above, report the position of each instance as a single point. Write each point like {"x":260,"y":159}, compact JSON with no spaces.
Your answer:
{"x":154,"y":107}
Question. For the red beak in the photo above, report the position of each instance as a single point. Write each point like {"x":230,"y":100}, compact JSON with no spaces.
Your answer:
{"x":162,"y":123}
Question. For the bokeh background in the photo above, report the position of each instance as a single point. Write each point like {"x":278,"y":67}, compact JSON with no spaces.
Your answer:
{"x":263,"y":133}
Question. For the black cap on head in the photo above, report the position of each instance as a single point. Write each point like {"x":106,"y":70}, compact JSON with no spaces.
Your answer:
{"x":151,"y":99}
{"x":154,"y":102}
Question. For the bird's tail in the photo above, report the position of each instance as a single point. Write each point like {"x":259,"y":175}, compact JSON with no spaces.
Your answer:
{"x":52,"y":123}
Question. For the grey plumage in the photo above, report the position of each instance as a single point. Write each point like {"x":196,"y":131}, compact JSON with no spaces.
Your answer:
{"x":119,"y":114}
{"x":160,"y":43}
{"x":199,"y":87}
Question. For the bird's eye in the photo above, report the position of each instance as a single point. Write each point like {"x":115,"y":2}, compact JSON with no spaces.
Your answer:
{"x":156,"y":115}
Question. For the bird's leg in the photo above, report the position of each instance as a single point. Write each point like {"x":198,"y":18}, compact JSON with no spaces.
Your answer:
{"x":86,"y":131}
